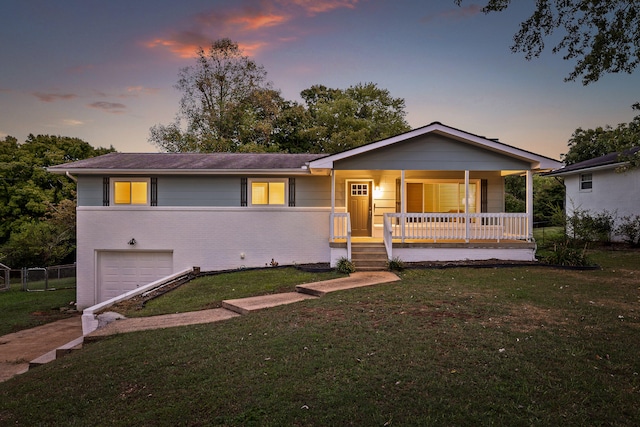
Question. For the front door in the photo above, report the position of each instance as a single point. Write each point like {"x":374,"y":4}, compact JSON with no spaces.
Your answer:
{"x":359,"y":205}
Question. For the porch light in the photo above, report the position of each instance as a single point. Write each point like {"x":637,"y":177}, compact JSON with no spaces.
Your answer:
{"x":377,"y":192}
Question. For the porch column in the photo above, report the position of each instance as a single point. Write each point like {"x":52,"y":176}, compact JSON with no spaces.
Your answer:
{"x":333,"y":203}
{"x":529,"y":205}
{"x":403,"y":203}
{"x":466,"y":207}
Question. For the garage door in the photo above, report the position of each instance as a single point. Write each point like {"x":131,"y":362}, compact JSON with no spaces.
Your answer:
{"x":120,"y":272}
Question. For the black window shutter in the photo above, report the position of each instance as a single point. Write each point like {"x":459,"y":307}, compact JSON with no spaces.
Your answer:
{"x":484,"y":190}
{"x":243,"y":191}
{"x":154,"y":191}
{"x":105,"y":191}
{"x":292,"y":191}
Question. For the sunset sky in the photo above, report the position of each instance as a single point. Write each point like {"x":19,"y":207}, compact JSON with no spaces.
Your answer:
{"x":104,"y":71}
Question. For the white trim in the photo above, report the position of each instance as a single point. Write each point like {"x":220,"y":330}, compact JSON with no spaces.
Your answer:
{"x":347,"y":194}
{"x":98,"y":171}
{"x":581,"y":181}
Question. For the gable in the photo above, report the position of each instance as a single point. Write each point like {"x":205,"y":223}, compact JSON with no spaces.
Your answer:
{"x":431,"y":152}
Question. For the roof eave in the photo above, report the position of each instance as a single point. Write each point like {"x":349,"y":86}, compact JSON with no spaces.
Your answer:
{"x":99,"y":171}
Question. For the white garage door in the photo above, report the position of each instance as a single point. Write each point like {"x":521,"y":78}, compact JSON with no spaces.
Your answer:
{"x":119,"y":272}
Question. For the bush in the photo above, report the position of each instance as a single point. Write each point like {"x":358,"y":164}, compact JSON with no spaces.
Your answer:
{"x":629,"y":229}
{"x":587,"y":227}
{"x":395,"y":264}
{"x":566,"y":255}
{"x":345,"y":266}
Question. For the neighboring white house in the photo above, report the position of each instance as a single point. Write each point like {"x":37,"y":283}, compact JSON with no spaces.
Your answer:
{"x":597,"y":185}
{"x":433,"y":193}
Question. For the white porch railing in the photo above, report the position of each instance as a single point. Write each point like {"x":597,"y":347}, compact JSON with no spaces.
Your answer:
{"x":448,"y":226}
{"x":341,"y":229}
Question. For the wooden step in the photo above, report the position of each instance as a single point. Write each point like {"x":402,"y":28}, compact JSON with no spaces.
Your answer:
{"x":369,"y":256}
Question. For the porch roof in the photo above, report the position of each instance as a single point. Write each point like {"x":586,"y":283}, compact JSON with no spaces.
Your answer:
{"x":536,"y":162}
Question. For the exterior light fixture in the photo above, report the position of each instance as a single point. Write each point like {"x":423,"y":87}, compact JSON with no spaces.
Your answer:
{"x":132,"y":242}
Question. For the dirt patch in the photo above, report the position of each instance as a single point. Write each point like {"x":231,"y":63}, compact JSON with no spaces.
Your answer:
{"x":529,"y":318}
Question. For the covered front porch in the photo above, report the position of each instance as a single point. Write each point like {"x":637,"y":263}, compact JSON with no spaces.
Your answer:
{"x":434,"y":193}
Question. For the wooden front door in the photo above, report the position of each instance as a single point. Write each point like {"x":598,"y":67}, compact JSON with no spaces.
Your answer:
{"x":359,"y":206}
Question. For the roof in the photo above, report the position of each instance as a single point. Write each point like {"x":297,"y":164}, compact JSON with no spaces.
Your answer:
{"x":188,"y":162}
{"x":608,"y":161}
{"x":537,"y":161}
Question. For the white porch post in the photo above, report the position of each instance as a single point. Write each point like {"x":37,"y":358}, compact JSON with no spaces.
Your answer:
{"x":466,"y":206}
{"x":529,"y":205}
{"x":333,"y":203}
{"x":403,"y":202}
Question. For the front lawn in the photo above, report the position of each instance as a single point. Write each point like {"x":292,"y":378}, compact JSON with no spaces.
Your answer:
{"x":461,"y":346}
{"x":22,"y":310}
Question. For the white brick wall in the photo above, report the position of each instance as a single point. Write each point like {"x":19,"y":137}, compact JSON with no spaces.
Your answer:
{"x":211,"y":238}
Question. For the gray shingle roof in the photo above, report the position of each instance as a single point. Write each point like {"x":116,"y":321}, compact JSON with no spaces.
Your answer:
{"x":189,"y":161}
{"x":606,"y":160}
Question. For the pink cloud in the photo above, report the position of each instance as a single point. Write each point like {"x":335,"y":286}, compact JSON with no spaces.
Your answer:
{"x":454,"y":14}
{"x":109,"y":107}
{"x":51,"y":97}
{"x":321,"y":6}
{"x":244,"y":24}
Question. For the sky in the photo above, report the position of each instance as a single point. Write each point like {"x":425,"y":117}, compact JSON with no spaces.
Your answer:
{"x":105,"y":70}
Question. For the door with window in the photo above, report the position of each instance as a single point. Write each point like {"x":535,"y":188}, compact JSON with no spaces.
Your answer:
{"x":359,"y":207}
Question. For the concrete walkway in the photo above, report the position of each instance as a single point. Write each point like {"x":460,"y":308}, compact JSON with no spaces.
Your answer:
{"x":31,"y":343}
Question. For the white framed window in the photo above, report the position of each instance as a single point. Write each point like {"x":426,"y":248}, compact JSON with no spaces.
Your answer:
{"x":442,"y":196}
{"x":130,"y":191}
{"x":586,"y":182}
{"x":268,"y":191}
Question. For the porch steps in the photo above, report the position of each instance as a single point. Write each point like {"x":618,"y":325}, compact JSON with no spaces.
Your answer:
{"x":369,"y":256}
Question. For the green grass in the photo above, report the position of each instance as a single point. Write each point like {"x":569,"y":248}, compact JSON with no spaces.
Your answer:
{"x":22,"y":310}
{"x":507,"y":346}
{"x":209,"y":291}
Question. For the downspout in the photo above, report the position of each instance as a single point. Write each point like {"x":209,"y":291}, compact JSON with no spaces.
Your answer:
{"x":71,"y":177}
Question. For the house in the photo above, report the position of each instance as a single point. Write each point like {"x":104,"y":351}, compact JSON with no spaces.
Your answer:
{"x":598,"y":184}
{"x":433,"y":193}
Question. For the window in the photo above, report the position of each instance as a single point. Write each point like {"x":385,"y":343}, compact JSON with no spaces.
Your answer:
{"x":586,"y":182}
{"x":130,"y":191}
{"x":443,"y":197}
{"x":268,"y":192}
{"x":359,"y":189}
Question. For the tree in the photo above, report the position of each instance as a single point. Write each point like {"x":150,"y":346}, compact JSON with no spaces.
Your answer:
{"x":601,"y":36}
{"x":32,"y":200}
{"x":343,"y":119}
{"x":591,"y":143}
{"x":227,"y":105}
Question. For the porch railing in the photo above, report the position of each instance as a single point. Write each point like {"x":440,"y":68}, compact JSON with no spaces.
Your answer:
{"x":455,"y":226}
{"x":341,"y":229}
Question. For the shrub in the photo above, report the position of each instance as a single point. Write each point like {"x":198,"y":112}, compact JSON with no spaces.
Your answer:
{"x":395,"y":264}
{"x":345,"y":266}
{"x":566,"y":255}
{"x":629,"y":229}
{"x":587,"y":227}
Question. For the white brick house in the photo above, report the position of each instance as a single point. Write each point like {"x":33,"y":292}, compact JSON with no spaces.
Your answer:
{"x":433,"y":193}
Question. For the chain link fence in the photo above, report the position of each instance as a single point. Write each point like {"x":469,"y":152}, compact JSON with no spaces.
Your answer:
{"x":39,"y":278}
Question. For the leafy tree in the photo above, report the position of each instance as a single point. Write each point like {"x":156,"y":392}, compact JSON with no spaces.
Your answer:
{"x":591,"y":143}
{"x":601,"y":36}
{"x":548,"y":197}
{"x":30,"y":196}
{"x":343,"y":119}
{"x":226,"y":103}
